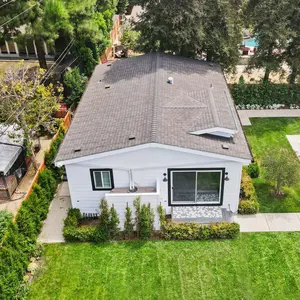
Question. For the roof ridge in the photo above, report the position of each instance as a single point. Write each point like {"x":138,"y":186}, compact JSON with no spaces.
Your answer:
{"x":155,"y":101}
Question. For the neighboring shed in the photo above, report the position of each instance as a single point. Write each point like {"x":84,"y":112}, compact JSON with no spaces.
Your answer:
{"x":12,"y":161}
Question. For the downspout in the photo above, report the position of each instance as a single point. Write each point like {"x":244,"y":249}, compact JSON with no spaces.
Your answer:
{"x":132,"y":187}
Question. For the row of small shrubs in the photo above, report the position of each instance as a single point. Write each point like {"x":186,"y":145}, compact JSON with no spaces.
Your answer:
{"x":248,"y":199}
{"x":107,"y":228}
{"x":142,"y":226}
{"x":266,"y":95}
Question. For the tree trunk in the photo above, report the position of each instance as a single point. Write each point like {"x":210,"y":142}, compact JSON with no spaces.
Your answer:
{"x":293,"y":75}
{"x":41,"y":54}
{"x":267,"y":75}
{"x":209,"y":55}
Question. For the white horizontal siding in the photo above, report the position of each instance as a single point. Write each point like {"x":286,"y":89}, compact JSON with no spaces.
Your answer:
{"x":147,"y":165}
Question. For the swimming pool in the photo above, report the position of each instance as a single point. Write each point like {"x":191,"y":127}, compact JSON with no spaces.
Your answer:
{"x":250,"y":43}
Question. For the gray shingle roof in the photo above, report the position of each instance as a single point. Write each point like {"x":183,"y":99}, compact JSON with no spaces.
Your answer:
{"x":131,"y":98}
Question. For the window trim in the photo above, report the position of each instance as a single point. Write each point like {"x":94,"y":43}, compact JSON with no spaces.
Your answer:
{"x":171,"y":203}
{"x":112,"y":186}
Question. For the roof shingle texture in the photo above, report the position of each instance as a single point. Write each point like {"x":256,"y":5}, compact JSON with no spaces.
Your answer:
{"x":141,"y":103}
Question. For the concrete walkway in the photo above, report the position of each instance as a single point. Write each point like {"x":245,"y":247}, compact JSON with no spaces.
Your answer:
{"x":53,"y":225}
{"x":269,"y":222}
{"x":266,"y":113}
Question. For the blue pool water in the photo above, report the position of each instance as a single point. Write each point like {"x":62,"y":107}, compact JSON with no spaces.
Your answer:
{"x":250,"y":43}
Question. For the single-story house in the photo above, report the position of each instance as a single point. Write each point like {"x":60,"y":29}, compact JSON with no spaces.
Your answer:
{"x":160,"y":127}
{"x":12,"y":161}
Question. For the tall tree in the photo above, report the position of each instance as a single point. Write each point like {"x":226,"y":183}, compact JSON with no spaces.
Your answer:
{"x":270,"y":19}
{"x":292,"y":53}
{"x":193,"y":28}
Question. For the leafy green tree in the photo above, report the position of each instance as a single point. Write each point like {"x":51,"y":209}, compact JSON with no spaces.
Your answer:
{"x":28,"y":104}
{"x":292,"y":53}
{"x":281,"y":168}
{"x":122,"y":6}
{"x":129,"y":37}
{"x":74,"y":84}
{"x":270,"y":19}
{"x":193,"y":27}
{"x":137,"y":206}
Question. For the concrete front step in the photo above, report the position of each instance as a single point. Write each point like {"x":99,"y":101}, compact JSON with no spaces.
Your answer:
{"x":200,"y":214}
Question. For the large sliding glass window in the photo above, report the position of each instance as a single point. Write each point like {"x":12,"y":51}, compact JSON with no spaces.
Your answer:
{"x":196,"y":187}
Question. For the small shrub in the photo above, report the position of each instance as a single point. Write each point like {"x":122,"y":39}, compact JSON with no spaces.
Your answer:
{"x":248,"y":207}
{"x":114,"y":222}
{"x":128,"y":224}
{"x":137,"y":206}
{"x":248,"y":199}
{"x":162,"y":217}
{"x":103,"y":225}
{"x":193,"y":231}
{"x":253,"y":170}
{"x":224,"y":230}
{"x":145,"y":223}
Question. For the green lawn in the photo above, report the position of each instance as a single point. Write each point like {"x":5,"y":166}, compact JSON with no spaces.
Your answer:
{"x":255,"y":266}
{"x":268,"y":133}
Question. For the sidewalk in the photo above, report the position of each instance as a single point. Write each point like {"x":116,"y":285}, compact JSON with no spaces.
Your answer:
{"x":266,"y":113}
{"x":53,"y":225}
{"x":269,"y":222}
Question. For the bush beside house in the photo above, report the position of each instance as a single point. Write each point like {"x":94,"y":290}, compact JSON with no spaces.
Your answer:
{"x":265,"y":96}
{"x":141,"y":227}
{"x":248,"y":199}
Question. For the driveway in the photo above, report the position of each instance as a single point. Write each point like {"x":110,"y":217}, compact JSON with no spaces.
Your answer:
{"x":269,"y":222}
{"x":53,"y":225}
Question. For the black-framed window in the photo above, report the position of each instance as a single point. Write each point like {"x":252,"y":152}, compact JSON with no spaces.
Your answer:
{"x":102,"y":179}
{"x":196,"y":186}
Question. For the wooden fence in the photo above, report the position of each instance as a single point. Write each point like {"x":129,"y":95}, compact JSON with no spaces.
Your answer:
{"x":66,"y":124}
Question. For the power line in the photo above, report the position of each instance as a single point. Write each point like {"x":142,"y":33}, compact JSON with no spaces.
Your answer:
{"x":6,"y":3}
{"x":58,"y":61}
{"x":18,"y":15}
{"x":70,"y":64}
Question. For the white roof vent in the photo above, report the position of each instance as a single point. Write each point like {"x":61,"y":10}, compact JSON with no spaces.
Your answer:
{"x":218,"y":131}
{"x":170,"y":80}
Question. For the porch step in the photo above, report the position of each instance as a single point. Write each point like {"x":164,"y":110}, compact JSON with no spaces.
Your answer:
{"x":197,"y":214}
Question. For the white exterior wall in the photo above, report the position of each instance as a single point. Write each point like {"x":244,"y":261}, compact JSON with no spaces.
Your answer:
{"x":147,"y":166}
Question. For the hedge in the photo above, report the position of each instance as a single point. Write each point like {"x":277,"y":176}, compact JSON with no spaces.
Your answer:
{"x":194,"y":231}
{"x":19,"y":240}
{"x":51,"y":153}
{"x":5,"y":220}
{"x":255,"y":96}
{"x":169,"y":230}
{"x":248,"y":199}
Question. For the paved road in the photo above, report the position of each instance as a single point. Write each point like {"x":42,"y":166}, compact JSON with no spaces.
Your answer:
{"x":266,"y":113}
{"x":269,"y":222}
{"x":53,"y":225}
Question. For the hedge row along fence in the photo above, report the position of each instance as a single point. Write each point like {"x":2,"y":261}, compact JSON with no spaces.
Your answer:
{"x":18,"y":239}
{"x":141,"y":227}
{"x":248,"y":200}
{"x":270,"y":96}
